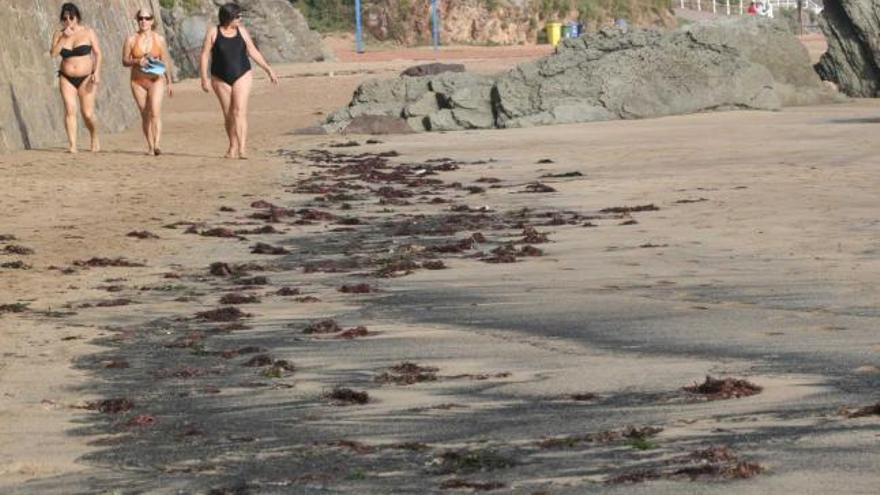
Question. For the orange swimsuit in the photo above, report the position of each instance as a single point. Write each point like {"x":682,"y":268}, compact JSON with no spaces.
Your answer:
{"x":139,"y":77}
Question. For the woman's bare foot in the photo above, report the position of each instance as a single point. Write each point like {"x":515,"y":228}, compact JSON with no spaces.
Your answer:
{"x":72,"y":150}
{"x":96,"y":145}
{"x":231,"y":154}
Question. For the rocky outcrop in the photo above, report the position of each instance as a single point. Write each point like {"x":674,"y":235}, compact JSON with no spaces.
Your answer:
{"x":279,"y":29}
{"x":852,"y":28}
{"x":732,"y":64}
{"x":31,"y":114}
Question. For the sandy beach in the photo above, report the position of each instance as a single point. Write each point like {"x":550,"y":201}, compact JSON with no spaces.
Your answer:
{"x":617,"y":263}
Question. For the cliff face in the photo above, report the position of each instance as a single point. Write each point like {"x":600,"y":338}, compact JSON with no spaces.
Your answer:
{"x":280,"y":31}
{"x":31,"y":114}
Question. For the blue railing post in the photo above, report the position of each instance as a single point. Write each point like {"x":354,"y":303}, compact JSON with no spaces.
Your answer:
{"x":358,"y":28}
{"x":435,"y":24}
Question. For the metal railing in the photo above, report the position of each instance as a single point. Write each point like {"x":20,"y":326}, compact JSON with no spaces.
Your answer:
{"x":738,"y":7}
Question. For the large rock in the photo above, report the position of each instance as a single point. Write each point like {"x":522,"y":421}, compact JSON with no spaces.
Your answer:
{"x":731,"y":64}
{"x":852,"y":28}
{"x":31,"y":114}
{"x":279,"y":30}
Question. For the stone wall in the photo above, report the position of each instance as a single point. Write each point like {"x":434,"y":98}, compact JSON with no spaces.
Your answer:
{"x":278,"y":29}
{"x":31,"y":113}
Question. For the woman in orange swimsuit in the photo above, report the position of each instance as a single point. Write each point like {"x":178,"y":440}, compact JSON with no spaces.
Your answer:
{"x":79,"y":74}
{"x":141,"y":51}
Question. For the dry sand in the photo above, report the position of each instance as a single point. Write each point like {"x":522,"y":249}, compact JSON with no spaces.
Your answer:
{"x":768,"y":274}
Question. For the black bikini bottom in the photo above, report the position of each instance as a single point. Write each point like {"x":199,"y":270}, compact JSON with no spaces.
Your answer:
{"x":76,"y":81}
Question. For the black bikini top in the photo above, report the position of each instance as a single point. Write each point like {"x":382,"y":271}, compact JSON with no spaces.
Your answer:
{"x":77,"y":51}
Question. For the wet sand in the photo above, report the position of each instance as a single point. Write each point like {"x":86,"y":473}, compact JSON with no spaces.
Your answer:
{"x":757,"y":261}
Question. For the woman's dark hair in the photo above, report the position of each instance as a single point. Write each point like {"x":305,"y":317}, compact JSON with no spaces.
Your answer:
{"x":69,"y":9}
{"x":228,"y":13}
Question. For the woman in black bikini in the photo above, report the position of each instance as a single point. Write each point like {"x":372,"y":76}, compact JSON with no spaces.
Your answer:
{"x":228,"y":47}
{"x":79,"y":74}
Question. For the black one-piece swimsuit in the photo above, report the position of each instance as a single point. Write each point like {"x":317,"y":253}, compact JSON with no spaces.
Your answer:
{"x":229,"y":59}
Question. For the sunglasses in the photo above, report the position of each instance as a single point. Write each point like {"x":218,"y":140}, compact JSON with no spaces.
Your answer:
{"x":144,"y":18}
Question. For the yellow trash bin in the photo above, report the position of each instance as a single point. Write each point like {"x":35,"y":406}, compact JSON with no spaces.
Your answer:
{"x":554,"y":32}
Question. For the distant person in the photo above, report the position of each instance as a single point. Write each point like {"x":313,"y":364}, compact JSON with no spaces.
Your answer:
{"x":79,"y":74}
{"x":228,"y":47}
{"x":765,"y":9}
{"x":753,"y":9}
{"x":147,"y":54}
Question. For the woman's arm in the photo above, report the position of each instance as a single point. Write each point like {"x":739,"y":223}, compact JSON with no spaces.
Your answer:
{"x":127,"y":61}
{"x":206,"y":55}
{"x":257,"y":56}
{"x":99,"y":57}
{"x":169,"y":63}
{"x":55,"y":49}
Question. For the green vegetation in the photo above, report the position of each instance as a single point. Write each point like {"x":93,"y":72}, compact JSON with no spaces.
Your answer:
{"x":328,"y":16}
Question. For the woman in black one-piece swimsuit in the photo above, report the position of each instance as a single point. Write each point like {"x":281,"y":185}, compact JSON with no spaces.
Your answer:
{"x":79,"y":74}
{"x":228,"y":47}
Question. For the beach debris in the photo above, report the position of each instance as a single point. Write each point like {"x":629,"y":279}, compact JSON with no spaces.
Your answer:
{"x":408,"y":373}
{"x":323,"y":326}
{"x":621,"y":210}
{"x":113,"y":303}
{"x":263,"y":248}
{"x":532,"y":236}
{"x":562,"y":175}
{"x":141,"y":420}
{"x":16,"y":265}
{"x":434,"y":265}
{"x":115,"y":364}
{"x":538,"y":187}
{"x":250,"y":281}
{"x":467,"y":461}
{"x":477,"y":486}
{"x":142,"y":234}
{"x":97,"y":262}
{"x":241,"y":351}
{"x":19,"y":250}
{"x":288,"y":291}
{"x":583,"y":396}
{"x":362,"y":288}
{"x":222,"y":232}
{"x":111,"y":406}
{"x":723,"y":388}
{"x":862,"y":412}
{"x":353,"y":333}
{"x":239,"y":298}
{"x":7,"y":238}
{"x":13,"y":308}
{"x":689,"y":201}
{"x":228,"y":313}
{"x":341,"y":396}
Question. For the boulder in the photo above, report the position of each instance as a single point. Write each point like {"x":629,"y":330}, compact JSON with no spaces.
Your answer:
{"x":852,"y":62}
{"x":31,"y":112}
{"x":279,"y":30}
{"x":744,"y":63}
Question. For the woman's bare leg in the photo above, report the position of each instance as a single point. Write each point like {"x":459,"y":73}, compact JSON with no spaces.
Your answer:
{"x":140,"y":97}
{"x":224,"y":94}
{"x":241,"y":93}
{"x":87,"y":93}
{"x":68,"y":96}
{"x":156,"y":95}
